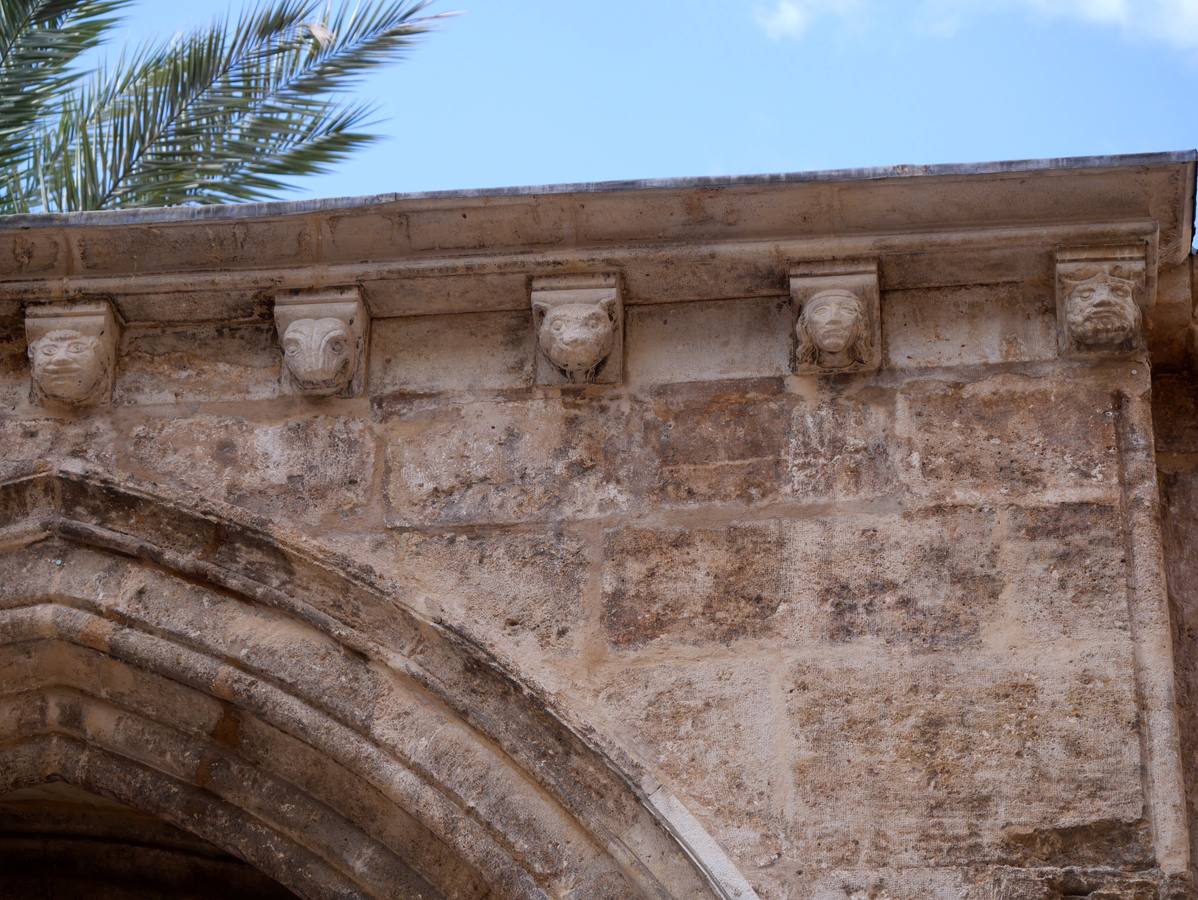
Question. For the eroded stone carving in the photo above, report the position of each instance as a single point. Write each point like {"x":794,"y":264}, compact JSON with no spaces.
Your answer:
{"x":833,"y":330}
{"x":1099,"y":293}
{"x":1101,"y":312}
{"x":578,"y":320}
{"x":836,"y":316}
{"x":323,"y":339}
{"x":72,"y":353}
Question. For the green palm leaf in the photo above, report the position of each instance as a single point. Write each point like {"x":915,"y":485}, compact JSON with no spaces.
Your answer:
{"x":40,"y":41}
{"x":233,"y":112}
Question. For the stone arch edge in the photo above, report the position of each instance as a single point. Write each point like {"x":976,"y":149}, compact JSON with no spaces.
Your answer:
{"x":608,"y":792}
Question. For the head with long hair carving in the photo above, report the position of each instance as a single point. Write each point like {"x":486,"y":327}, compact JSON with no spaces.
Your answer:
{"x":833,"y":330}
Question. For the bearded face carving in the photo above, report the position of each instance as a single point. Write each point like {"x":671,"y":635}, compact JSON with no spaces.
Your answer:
{"x":833,"y":331}
{"x":69,"y":367}
{"x":576,"y":337}
{"x":320,"y":354}
{"x":1101,"y":313}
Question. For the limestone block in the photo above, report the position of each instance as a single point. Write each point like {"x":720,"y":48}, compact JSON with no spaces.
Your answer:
{"x":197,"y":364}
{"x":926,"y":580}
{"x":324,"y":335}
{"x":579,"y":323}
{"x":969,"y":324}
{"x":709,"y":341}
{"x":1102,"y":296}
{"x":709,"y":729}
{"x":429,"y":354}
{"x":716,"y":441}
{"x":38,"y":441}
{"x":1059,"y":884}
{"x":915,"y":761}
{"x":310,"y":470}
{"x":14,"y":365}
{"x":186,"y":247}
{"x":519,"y":593}
{"x":880,"y":884}
{"x":837,"y":322}
{"x":29,"y":254}
{"x":841,"y":446}
{"x":495,"y":461}
{"x":1008,"y":438}
{"x":72,"y":353}
{"x":693,"y":586}
{"x":1066,"y":573}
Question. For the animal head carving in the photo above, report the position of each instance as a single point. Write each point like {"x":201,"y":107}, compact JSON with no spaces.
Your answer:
{"x":1101,"y":312}
{"x":576,"y":337}
{"x":320,"y":354}
{"x":69,"y":367}
{"x":834,"y":330}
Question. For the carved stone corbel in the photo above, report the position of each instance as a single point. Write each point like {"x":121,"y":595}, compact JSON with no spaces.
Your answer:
{"x":72,"y":352}
{"x":324,"y":338}
{"x":579,"y":322}
{"x":837,"y":323}
{"x":1102,"y":297}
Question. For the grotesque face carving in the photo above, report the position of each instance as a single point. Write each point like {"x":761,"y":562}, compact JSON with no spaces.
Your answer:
{"x":320,"y":354}
{"x":833,"y":330}
{"x":68,"y":366}
{"x":577,"y":337}
{"x":1101,"y":312}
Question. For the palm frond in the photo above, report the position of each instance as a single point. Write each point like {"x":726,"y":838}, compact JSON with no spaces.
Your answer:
{"x":40,"y":42}
{"x":229,"y":113}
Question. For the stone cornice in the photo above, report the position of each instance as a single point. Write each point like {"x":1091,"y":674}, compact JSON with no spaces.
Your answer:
{"x":671,"y":241}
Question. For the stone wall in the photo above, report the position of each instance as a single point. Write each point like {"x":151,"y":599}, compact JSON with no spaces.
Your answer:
{"x":896,"y":630}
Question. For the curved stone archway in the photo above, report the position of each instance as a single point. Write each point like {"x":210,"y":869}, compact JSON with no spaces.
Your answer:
{"x":272,"y":700}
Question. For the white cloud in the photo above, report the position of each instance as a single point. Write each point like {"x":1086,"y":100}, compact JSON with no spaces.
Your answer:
{"x":786,"y":20}
{"x":1171,"y":21}
{"x":792,"y":18}
{"x":1174,"y":22}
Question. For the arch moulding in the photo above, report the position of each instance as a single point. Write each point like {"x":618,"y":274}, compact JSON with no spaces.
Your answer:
{"x":274,"y":700}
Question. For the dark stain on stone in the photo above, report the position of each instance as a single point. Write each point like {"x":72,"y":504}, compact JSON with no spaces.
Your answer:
{"x":1106,"y":842}
{"x":227,"y":730}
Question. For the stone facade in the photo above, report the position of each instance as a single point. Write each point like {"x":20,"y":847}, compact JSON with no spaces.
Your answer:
{"x":796,"y":538}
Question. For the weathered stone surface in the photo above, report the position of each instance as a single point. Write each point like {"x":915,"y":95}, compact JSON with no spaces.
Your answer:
{"x":908,"y":762}
{"x":711,"y":442}
{"x":692,"y":585}
{"x":967,"y":324}
{"x":841,"y":446}
{"x":711,"y":726}
{"x":752,"y":619}
{"x":709,"y":341}
{"x":453,"y":353}
{"x":33,"y":440}
{"x":520,"y":593}
{"x":1066,"y":571}
{"x":310,"y":469}
{"x":535,"y":460}
{"x":198,"y":364}
{"x":852,"y":580}
{"x":1008,"y":437}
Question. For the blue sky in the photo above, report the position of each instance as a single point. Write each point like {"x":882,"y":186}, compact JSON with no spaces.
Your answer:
{"x":544,"y":91}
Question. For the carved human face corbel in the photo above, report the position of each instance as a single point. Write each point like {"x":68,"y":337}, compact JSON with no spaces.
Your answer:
{"x":837,"y":327}
{"x":72,"y":353}
{"x":323,"y":336}
{"x":579,"y":324}
{"x":1101,"y":295}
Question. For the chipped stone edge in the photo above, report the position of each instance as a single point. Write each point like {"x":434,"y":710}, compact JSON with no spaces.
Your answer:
{"x":710,"y":858}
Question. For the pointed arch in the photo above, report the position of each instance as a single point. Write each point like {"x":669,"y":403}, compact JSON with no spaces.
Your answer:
{"x":270,"y":697}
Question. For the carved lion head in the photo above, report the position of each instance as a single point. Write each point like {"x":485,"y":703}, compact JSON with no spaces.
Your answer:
{"x":576,"y":337}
